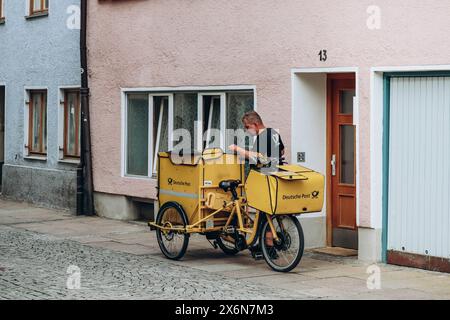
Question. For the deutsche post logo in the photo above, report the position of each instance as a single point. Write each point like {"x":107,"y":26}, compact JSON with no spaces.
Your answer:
{"x":173,"y":182}
{"x":315,"y":194}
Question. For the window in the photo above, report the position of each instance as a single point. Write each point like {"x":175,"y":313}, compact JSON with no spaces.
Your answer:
{"x":185,"y":115}
{"x":152,"y":118}
{"x":137,"y":134}
{"x":238,"y":103}
{"x":211,"y":112}
{"x":38,"y":6}
{"x":147,"y":119}
{"x":37,"y":122}
{"x":162,"y":107}
{"x":72,"y":129}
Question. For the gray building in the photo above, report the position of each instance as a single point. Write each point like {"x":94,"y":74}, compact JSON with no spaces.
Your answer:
{"x":39,"y":100}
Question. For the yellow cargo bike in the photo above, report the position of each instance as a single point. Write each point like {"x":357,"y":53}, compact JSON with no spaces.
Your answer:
{"x":204,"y":193}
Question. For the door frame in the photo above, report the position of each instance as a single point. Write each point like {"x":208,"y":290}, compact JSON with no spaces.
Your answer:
{"x":319,"y":93}
{"x":329,"y":145}
{"x":385,"y":145}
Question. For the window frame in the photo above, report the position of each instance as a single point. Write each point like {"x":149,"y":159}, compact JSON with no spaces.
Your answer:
{"x":66,"y":154}
{"x":154,"y":153}
{"x":151,"y":147}
{"x":200,"y":109}
{"x":42,"y":9}
{"x":221,"y":91}
{"x":61,"y":122}
{"x":29,"y":137}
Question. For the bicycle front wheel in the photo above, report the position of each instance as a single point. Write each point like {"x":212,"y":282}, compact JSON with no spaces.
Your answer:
{"x":285,"y":254}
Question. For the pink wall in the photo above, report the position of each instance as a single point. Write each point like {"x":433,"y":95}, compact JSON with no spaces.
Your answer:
{"x":200,"y":42}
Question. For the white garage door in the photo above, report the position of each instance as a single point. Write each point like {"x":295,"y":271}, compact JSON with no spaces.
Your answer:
{"x":419,"y":166}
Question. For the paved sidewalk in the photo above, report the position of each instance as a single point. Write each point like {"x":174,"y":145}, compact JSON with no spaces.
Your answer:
{"x":122,"y":260}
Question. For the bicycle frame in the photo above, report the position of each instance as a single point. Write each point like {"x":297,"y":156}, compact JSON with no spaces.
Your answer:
{"x":235,"y":207}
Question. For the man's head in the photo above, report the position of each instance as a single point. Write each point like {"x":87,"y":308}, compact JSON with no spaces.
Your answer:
{"x":252,"y":122}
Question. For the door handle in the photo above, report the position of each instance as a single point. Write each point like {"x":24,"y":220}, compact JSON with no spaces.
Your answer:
{"x":333,"y":165}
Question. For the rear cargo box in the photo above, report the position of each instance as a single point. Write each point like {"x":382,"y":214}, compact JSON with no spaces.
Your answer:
{"x":194,"y":182}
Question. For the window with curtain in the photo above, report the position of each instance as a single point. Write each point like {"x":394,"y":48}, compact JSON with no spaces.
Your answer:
{"x":160,"y":127}
{"x":72,"y":119}
{"x":37,"y":122}
{"x":38,"y":6}
{"x":152,"y":121}
{"x":211,"y":121}
{"x":238,"y":103}
{"x":185,"y":114}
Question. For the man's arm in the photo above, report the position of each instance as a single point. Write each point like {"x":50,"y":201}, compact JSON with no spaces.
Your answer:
{"x":247,"y":154}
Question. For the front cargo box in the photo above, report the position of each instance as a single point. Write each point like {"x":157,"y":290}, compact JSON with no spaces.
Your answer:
{"x":290,"y":190}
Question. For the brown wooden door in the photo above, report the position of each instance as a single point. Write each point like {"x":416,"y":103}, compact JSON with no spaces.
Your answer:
{"x":343,"y":165}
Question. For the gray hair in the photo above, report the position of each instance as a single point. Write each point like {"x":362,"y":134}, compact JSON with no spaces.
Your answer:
{"x":252,"y":117}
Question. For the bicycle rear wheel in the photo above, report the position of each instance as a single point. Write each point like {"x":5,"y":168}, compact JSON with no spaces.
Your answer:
{"x":173,"y":243}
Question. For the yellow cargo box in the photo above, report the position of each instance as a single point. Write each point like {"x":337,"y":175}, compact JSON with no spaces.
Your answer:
{"x":192,"y":181}
{"x":292,"y":189}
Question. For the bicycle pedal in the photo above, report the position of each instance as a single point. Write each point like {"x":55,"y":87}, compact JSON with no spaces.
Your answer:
{"x":230,"y":230}
{"x":257,"y":256}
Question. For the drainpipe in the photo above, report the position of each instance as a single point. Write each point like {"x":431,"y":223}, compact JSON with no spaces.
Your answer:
{"x":85,"y":194}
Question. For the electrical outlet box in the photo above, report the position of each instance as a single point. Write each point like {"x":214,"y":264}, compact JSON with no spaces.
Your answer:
{"x":301,"y":157}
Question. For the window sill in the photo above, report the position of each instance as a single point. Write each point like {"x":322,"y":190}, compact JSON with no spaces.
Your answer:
{"x":38,"y":158}
{"x":147,"y":178}
{"x":68,"y":160}
{"x":37,"y":15}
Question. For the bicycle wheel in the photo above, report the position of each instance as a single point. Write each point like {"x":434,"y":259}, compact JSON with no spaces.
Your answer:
{"x":173,"y":243}
{"x":286,"y":254}
{"x":227,"y":246}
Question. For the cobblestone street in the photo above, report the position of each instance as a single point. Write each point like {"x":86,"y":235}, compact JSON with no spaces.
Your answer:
{"x":35,"y":266}
{"x":120,"y":260}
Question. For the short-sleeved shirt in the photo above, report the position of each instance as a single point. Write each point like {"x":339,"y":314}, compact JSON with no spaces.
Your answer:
{"x":269,"y":144}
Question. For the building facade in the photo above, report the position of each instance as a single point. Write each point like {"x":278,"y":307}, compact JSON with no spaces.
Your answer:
{"x":359,"y":91}
{"x":39,"y":100}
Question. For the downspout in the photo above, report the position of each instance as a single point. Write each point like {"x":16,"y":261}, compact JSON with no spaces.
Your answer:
{"x":85,"y":194}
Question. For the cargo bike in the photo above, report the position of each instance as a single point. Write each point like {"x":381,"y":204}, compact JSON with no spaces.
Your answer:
{"x":205,"y":194}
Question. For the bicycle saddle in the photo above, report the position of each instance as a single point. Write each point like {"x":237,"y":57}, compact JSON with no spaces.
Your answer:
{"x":229,"y":185}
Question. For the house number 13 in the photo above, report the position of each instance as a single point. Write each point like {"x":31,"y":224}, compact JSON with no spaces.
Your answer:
{"x":323,"y":55}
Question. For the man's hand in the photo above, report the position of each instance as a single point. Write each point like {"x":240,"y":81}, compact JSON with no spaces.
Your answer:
{"x":235,"y":148}
{"x":243,"y":153}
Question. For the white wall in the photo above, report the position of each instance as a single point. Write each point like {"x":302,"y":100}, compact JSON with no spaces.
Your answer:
{"x":309,"y":122}
{"x":309,"y":136}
